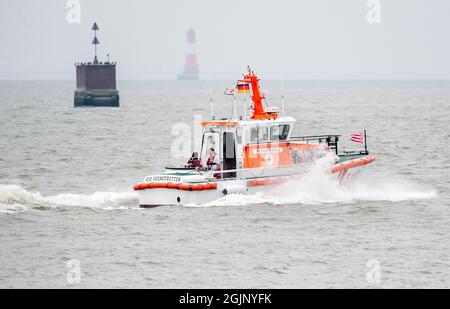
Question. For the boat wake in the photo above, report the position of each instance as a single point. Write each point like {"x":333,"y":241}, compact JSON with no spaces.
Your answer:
{"x":319,"y":187}
{"x":316,"y":187}
{"x":14,"y":199}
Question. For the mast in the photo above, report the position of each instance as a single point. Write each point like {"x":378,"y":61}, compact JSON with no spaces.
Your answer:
{"x":257,"y":97}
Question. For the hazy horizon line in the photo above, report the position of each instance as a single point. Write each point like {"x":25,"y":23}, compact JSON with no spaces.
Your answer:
{"x":226,"y":79}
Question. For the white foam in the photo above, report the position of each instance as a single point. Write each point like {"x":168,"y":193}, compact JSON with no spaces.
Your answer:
{"x":314,"y":188}
{"x":13,"y":198}
{"x":12,"y":194}
{"x":319,"y":187}
{"x":97,"y":199}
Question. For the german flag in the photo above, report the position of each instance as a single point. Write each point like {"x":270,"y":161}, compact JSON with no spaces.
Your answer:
{"x":243,"y":87}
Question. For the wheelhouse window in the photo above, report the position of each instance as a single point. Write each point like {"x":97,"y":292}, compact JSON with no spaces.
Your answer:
{"x":279,"y":132}
{"x":258,"y":134}
{"x":239,"y":135}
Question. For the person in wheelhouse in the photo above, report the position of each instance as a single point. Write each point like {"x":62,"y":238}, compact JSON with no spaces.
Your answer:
{"x":213,"y":162}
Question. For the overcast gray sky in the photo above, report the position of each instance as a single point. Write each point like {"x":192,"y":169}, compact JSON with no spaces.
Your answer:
{"x":287,"y":39}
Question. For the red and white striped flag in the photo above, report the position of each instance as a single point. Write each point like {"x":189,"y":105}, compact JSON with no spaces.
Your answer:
{"x":358,"y":137}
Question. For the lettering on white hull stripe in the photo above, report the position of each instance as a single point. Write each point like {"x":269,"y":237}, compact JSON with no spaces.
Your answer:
{"x":162,"y":178}
{"x":267,"y":150}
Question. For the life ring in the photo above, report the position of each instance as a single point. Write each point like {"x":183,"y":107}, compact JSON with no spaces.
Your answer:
{"x":157,"y":185}
{"x":264,"y":182}
{"x":178,"y":186}
{"x":172,"y":185}
{"x":352,"y":163}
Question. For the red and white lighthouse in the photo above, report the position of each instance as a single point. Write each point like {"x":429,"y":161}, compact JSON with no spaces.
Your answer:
{"x":191,"y":65}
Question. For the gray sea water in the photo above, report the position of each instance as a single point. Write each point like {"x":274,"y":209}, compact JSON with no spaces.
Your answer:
{"x":66,"y":200}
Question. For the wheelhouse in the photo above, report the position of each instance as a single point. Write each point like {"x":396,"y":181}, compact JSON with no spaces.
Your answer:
{"x":262,"y":139}
{"x":230,"y":138}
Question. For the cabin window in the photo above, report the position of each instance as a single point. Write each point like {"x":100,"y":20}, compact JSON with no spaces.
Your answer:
{"x":229,"y":154}
{"x":259,"y":134}
{"x":308,"y":154}
{"x":239,"y":135}
{"x":210,"y":140}
{"x":279,"y":132}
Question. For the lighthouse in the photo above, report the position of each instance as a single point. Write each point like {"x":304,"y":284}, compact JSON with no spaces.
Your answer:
{"x":190,"y":65}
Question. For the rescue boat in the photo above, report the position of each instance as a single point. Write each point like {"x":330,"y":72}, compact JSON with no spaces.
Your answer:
{"x":256,"y":150}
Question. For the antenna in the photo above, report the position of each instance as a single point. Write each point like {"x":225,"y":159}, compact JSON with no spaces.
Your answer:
{"x":211,"y":98}
{"x":245,"y":106}
{"x":282,"y":96}
{"x":95,"y":41}
{"x":234,"y":106}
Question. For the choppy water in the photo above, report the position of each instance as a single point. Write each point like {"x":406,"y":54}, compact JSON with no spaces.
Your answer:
{"x":66,"y":176}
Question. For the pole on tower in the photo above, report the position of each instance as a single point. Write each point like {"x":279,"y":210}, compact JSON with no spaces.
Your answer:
{"x":95,"y":41}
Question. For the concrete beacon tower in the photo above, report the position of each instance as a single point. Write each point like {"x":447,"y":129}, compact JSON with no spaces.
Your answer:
{"x":191,"y":65}
{"x":96,"y":81}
